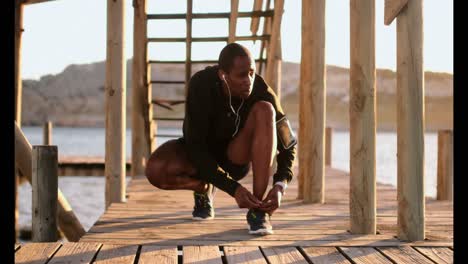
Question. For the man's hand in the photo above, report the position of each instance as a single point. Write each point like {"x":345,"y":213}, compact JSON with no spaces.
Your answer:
{"x":245,"y":199}
{"x":273,"y":200}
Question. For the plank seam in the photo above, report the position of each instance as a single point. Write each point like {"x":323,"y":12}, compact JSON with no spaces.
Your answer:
{"x":345,"y":255}
{"x":137,"y":256}
{"x":304,"y":255}
{"x":223,"y":254}
{"x":422,"y":253}
{"x":264,"y":255}
{"x":97,"y":253}
{"x":53,"y":254}
{"x":385,"y":255}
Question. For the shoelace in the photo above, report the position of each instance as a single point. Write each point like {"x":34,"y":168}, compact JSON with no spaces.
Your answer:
{"x":202,"y":199}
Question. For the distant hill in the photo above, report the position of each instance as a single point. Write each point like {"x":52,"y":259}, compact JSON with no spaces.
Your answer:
{"x":75,"y":97}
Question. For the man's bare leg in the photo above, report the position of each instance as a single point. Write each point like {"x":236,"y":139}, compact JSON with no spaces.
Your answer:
{"x":256,"y":142}
{"x":169,"y":168}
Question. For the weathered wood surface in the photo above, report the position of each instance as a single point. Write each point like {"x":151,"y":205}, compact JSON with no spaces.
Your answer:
{"x":153,"y":216}
{"x":38,"y":253}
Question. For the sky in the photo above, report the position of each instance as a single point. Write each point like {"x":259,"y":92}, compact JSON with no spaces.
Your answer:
{"x":63,"y":32}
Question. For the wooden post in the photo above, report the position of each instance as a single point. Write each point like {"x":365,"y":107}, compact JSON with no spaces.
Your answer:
{"x":18,"y":90}
{"x":188,"y":46}
{"x":44,"y":193}
{"x":328,"y":145}
{"x":273,"y":69}
{"x":312,"y":102}
{"x":18,"y":43}
{"x":445,"y":165}
{"x":47,"y":133}
{"x":233,"y":20}
{"x":67,"y":221}
{"x":362,"y":193}
{"x":410,"y":122}
{"x":115,"y":103}
{"x":142,"y":133}
{"x":255,"y":22}
{"x":265,"y":43}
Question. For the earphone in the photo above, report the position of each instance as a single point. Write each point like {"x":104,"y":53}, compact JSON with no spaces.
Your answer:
{"x":237,"y":121}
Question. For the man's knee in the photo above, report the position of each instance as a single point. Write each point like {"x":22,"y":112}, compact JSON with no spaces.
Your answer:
{"x":264,"y":110}
{"x":156,"y":171}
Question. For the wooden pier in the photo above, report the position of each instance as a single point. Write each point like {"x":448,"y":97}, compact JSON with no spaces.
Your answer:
{"x":155,"y":225}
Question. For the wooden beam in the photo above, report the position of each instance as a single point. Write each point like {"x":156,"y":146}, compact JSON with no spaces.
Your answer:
{"x":273,"y":70}
{"x":211,"y":15}
{"x":30,"y":2}
{"x":115,"y":103}
{"x":445,"y":165}
{"x":188,"y":46}
{"x":255,"y":22}
{"x":18,"y":43}
{"x":392,"y":9}
{"x":410,"y":122}
{"x":44,"y":193}
{"x":67,"y":220}
{"x":18,"y":93}
{"x":266,"y":30}
{"x":362,"y":193}
{"x":312,"y":103}
{"x":328,"y":145}
{"x":142,"y":134}
{"x":233,"y":20}
{"x":47,"y":133}
{"x":210,"y":39}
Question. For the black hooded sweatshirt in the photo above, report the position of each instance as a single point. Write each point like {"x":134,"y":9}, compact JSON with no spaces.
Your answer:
{"x":209,"y":125}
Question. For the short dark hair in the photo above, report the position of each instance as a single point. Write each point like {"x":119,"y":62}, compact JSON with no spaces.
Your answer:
{"x":228,"y":53}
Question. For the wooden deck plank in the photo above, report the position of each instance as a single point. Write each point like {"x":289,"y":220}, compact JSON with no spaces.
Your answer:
{"x":283,"y":255}
{"x":35,"y":253}
{"x":161,"y":217}
{"x":251,"y":255}
{"x":75,"y":252}
{"x":364,"y":255}
{"x":324,"y":255}
{"x":437,"y":254}
{"x":201,"y":255}
{"x":404,"y":255}
{"x":158,"y":254}
{"x":118,"y":254}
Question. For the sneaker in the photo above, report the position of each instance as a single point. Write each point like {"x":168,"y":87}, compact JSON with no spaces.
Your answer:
{"x":203,"y":209}
{"x":259,"y":222}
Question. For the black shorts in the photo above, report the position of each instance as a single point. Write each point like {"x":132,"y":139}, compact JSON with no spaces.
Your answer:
{"x":236,"y":171}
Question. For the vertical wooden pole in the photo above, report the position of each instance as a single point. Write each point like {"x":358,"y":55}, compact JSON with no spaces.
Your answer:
{"x":18,"y":90}
{"x":312,"y":102}
{"x":273,"y":70}
{"x":362,"y":194}
{"x":410,"y":122}
{"x":188,"y":46}
{"x":233,"y":20}
{"x":115,"y":103}
{"x":255,"y":22}
{"x":265,"y":43}
{"x":328,"y":145}
{"x":445,"y":165}
{"x":47,"y":133}
{"x":44,"y":193}
{"x":18,"y":43}
{"x":141,"y":93}
{"x":67,"y":220}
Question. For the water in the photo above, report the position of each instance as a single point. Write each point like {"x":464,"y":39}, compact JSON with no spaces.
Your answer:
{"x":86,"y":194}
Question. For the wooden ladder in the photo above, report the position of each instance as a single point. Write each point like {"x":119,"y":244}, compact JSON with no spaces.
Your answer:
{"x":189,"y":16}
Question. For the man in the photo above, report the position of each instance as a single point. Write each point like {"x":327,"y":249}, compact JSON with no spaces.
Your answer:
{"x":232,"y":118}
